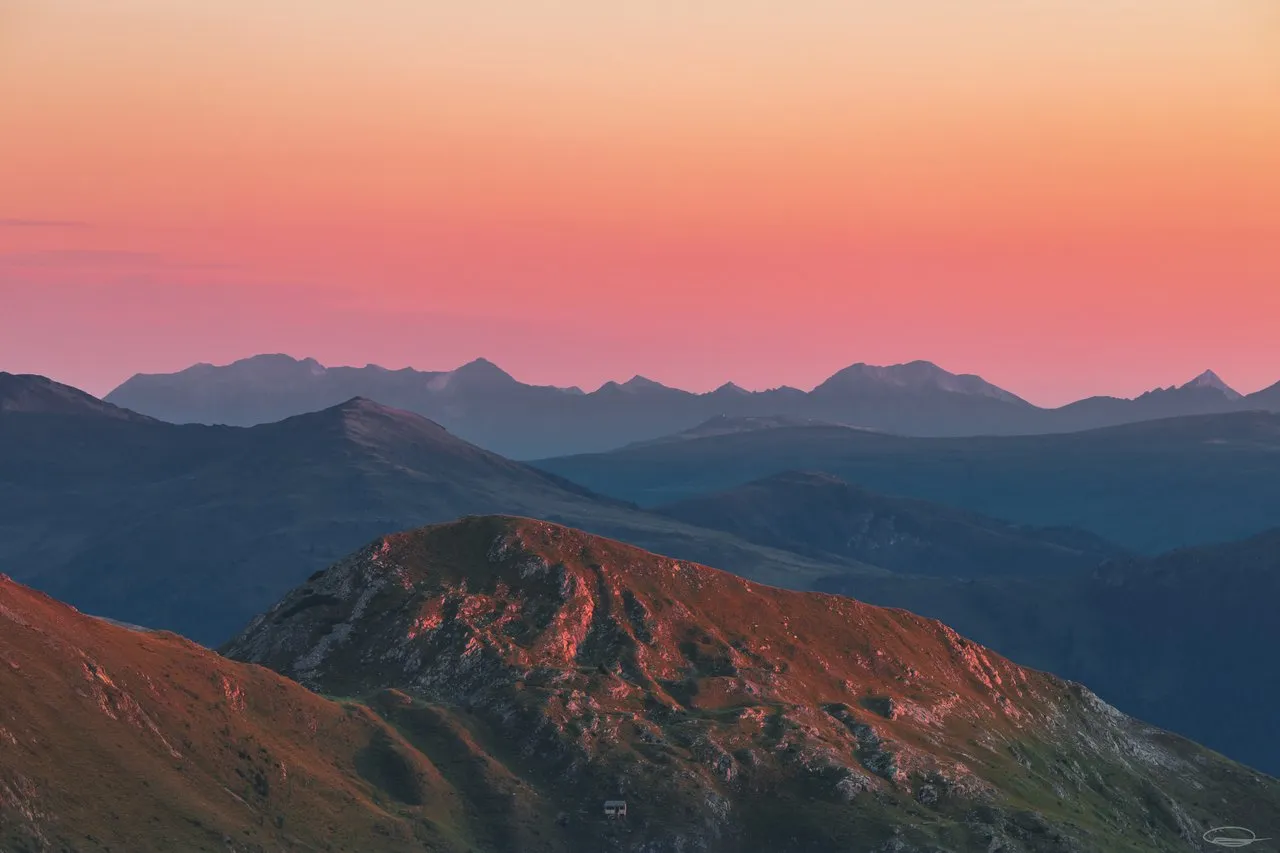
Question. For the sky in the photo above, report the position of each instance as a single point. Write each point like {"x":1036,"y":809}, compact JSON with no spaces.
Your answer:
{"x":1067,"y":198}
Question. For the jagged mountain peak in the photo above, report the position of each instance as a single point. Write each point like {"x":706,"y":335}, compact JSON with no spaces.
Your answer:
{"x":1209,"y":379}
{"x":479,"y":374}
{"x":732,"y":389}
{"x":908,"y":373}
{"x":485,"y":404}
{"x":482,"y":369}
{"x":636,"y":384}
{"x":278,"y":359}
{"x":480,"y":363}
{"x":254,"y":369}
{"x":916,"y":376}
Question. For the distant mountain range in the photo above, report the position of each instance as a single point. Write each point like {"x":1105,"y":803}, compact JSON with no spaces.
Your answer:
{"x":1148,"y":487}
{"x":196,"y":528}
{"x":485,"y":405}
{"x":504,"y":678}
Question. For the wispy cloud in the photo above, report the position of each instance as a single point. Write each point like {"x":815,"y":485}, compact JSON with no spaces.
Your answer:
{"x":101,"y":258}
{"x":72,"y":257}
{"x":41,"y":223}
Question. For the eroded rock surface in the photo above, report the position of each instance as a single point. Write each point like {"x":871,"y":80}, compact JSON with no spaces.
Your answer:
{"x":731,"y":715}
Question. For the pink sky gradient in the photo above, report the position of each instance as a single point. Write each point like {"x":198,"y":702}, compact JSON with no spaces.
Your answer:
{"x":1066,"y":198}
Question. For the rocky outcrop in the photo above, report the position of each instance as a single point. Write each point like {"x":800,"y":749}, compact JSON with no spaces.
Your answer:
{"x":731,"y":715}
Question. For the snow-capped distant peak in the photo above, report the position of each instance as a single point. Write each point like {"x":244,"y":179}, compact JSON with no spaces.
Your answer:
{"x":639,"y":381}
{"x":912,"y":377}
{"x":732,"y":388}
{"x":478,"y":373}
{"x":1209,"y":379}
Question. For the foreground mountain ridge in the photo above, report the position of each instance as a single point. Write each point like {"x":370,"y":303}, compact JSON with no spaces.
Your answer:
{"x":115,"y":740}
{"x":736,"y":716}
{"x":486,"y":405}
{"x":506,"y":676}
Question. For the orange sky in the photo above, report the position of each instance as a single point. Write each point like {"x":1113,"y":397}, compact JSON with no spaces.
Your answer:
{"x":1065,"y":197}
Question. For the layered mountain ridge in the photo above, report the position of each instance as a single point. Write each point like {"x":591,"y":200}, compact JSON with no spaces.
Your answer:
{"x":486,"y":405}
{"x":1148,"y":487}
{"x":197,"y":528}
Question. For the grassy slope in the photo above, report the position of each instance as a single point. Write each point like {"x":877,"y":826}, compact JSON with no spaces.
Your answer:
{"x":117,"y":740}
{"x":1175,"y":639}
{"x":694,"y":685}
{"x":539,"y":703}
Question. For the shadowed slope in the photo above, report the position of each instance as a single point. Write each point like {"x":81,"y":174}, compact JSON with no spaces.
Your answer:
{"x":196,"y":528}
{"x":1147,"y":487}
{"x":1178,"y":639}
{"x":725,"y":425}
{"x":1268,"y":398}
{"x":826,"y":518}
